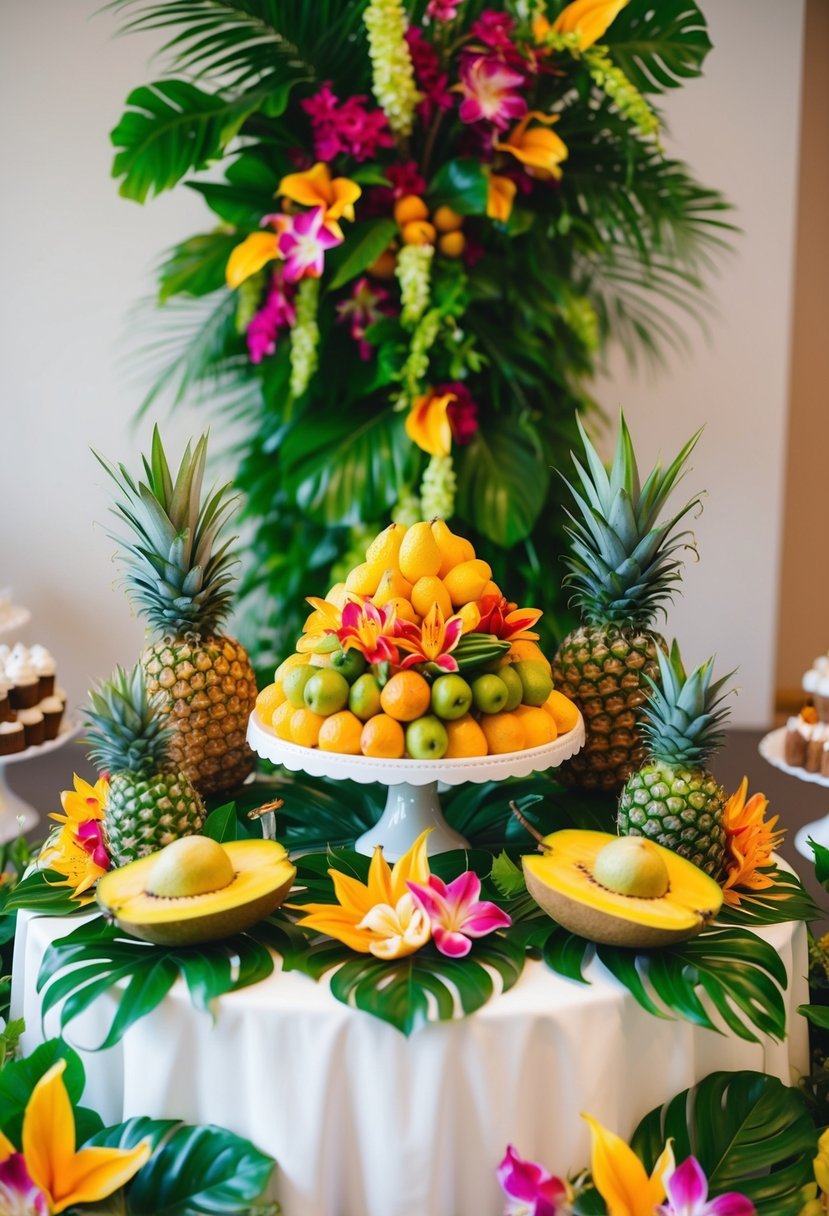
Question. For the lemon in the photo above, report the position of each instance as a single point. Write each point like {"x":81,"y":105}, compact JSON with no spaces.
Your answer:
{"x":385,"y":547}
{"x":453,"y":549}
{"x":430,"y":591}
{"x":466,"y":581}
{"x":392,"y":586}
{"x":364,"y":579}
{"x":404,"y":609}
{"x":420,"y":556}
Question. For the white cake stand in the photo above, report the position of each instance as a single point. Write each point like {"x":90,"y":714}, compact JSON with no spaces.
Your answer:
{"x":16,"y":815}
{"x":772,"y":749}
{"x":412,"y":804}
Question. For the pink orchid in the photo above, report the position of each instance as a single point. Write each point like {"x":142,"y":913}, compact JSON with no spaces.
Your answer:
{"x":368,"y":303}
{"x":443,"y":10}
{"x":687,"y":1191}
{"x":91,"y":839}
{"x":432,"y":83}
{"x":371,"y":630}
{"x":431,"y":641}
{"x":489,"y":91}
{"x":455,"y":912}
{"x":303,"y":243}
{"x":276,"y":313}
{"x":495,"y":30}
{"x":531,"y":1190}
{"x":18,"y":1194}
{"x":347,"y":127}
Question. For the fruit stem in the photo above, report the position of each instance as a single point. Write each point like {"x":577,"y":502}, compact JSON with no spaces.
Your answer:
{"x":266,"y":812}
{"x":525,"y":823}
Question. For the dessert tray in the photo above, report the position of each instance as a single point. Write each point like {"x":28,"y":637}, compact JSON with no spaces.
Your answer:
{"x":412,"y":804}
{"x":772,"y":749}
{"x":17,"y":815}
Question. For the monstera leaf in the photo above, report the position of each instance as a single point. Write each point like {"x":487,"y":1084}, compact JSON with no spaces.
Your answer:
{"x":659,"y":46}
{"x":503,"y":480}
{"x":749,"y":1132}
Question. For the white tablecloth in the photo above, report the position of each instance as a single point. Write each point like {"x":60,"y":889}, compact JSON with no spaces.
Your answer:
{"x":365,"y":1122}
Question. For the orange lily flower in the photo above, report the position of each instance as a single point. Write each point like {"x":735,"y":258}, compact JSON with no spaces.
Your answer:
{"x":254,"y":252}
{"x":315,"y":188}
{"x":620,"y":1177}
{"x":749,"y":843}
{"x":68,"y":1178}
{"x":538,"y":150}
{"x":427,"y":423}
{"x":500,"y":196}
{"x":432,"y":641}
{"x":587,"y":18}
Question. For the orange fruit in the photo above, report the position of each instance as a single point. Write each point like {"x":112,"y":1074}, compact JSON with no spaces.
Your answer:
{"x":430,"y":591}
{"x":305,"y":727}
{"x":384,"y":266}
{"x":521,"y":651}
{"x":466,"y":581}
{"x":281,"y":720}
{"x":562,"y":710}
{"x":503,"y":732}
{"x":419,"y":232}
{"x":409,"y":208}
{"x":269,"y":699}
{"x":452,"y":244}
{"x":465,"y":738}
{"x":383,"y":737}
{"x":539,"y":727}
{"x":406,"y":696}
{"x":447,"y":220}
{"x":341,"y":733}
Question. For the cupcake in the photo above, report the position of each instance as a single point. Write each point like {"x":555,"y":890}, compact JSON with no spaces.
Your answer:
{"x":25,"y":690}
{"x":12,"y":738}
{"x":816,"y":683}
{"x":798,"y":733}
{"x":5,"y":704}
{"x":52,"y":710}
{"x":34,"y":726}
{"x":45,"y":667}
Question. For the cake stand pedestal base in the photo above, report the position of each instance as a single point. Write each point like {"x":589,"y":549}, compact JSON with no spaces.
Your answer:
{"x":410,"y":810}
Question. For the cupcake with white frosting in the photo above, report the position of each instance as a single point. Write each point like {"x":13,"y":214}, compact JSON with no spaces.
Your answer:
{"x":34,"y":726}
{"x":45,"y":667}
{"x":12,"y":738}
{"x":25,"y":690}
{"x":5,"y":704}
{"x":816,"y":684}
{"x":52,"y":710}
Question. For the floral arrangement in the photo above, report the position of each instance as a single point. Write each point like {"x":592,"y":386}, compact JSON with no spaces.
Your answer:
{"x":432,"y":217}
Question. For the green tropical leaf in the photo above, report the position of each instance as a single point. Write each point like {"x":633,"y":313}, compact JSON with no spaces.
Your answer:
{"x":659,"y":46}
{"x":363,"y":245}
{"x":192,"y":1171}
{"x":786,"y":900}
{"x":81,"y":967}
{"x":821,"y":862}
{"x":818,"y":1015}
{"x":169,"y":128}
{"x":18,"y":1079}
{"x":462,"y":185}
{"x":503,"y":480}
{"x":41,"y":891}
{"x":196,"y":267}
{"x":749,"y":1132}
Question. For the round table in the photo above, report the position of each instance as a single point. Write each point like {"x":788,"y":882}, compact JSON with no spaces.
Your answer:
{"x":365,"y":1122}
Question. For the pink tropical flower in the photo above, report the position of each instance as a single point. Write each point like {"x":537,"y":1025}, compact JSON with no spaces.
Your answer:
{"x":18,"y":1194}
{"x":456,"y":913}
{"x":506,"y":620}
{"x":530,"y":1189}
{"x":347,"y":127}
{"x":687,"y":1192}
{"x":489,"y":91}
{"x":367,"y":304}
{"x":276,"y":313}
{"x":371,"y":630}
{"x":431,"y":641}
{"x":495,"y":29}
{"x":432,"y":83}
{"x":91,"y":839}
{"x":443,"y":10}
{"x":462,"y":411}
{"x":303,"y":243}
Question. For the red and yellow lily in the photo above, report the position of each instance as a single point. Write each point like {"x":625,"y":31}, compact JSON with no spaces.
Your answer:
{"x":620,"y":1177}
{"x":432,"y":640}
{"x":63,"y":1176}
{"x":370,"y":629}
{"x":78,"y":851}
{"x":540,"y":151}
{"x":507,"y":621}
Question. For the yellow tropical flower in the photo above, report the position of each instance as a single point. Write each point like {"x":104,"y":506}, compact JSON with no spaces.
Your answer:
{"x":749,"y":843}
{"x":821,"y":1163}
{"x":326,"y":618}
{"x":620,"y":1177}
{"x":84,"y":802}
{"x":587,"y":18}
{"x":77,"y":851}
{"x":539,"y":151}
{"x":315,"y":188}
{"x":427,"y":423}
{"x":500,"y":197}
{"x":254,"y":252}
{"x":66,"y":1177}
{"x":379,"y":917}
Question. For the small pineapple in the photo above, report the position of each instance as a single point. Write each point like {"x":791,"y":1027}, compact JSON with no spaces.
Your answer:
{"x":178,"y":574}
{"x":623,"y":567}
{"x":149,"y":803}
{"x":673,"y":799}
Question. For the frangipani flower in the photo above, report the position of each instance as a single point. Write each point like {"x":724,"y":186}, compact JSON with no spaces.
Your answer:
{"x":750,"y":841}
{"x":78,"y":851}
{"x":588,"y":18}
{"x":432,"y":640}
{"x":687,"y":1190}
{"x":455,"y":912}
{"x":303,"y":241}
{"x":532,"y":1190}
{"x":371,"y":630}
{"x":539,"y":151}
{"x":489,"y":91}
{"x":507,"y":621}
{"x":316,"y":188}
{"x":500,"y":197}
{"x":428,"y":425}
{"x":620,"y":1177}
{"x":379,"y":917}
{"x":65,"y":1177}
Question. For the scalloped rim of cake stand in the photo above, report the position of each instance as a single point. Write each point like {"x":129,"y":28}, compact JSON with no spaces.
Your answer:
{"x":771,"y":748}
{"x":368,"y":769}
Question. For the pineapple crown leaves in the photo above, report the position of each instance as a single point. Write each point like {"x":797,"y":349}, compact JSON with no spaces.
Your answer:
{"x":683,"y":716}
{"x":125,"y":732}
{"x":174,"y":571}
{"x":622,"y":563}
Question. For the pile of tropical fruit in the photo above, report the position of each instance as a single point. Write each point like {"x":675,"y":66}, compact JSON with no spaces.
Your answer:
{"x":417,"y":654}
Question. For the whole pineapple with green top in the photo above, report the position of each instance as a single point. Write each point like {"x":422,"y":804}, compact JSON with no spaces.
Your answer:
{"x":623,"y":566}
{"x":673,"y":799}
{"x":178,"y":574}
{"x":149,"y":802}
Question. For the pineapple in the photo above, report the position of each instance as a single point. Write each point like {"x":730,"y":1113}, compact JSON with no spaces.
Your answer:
{"x":673,"y":799}
{"x":178,"y":575}
{"x":623,"y":567}
{"x":149,"y":803}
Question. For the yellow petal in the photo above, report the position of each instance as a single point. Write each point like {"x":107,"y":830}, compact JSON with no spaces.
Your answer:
{"x":536,"y":148}
{"x":427,"y":424}
{"x":49,"y":1131}
{"x":6,"y":1148}
{"x":310,"y":189}
{"x":345,"y":194}
{"x":95,"y":1173}
{"x":500,"y":196}
{"x":588,"y":18}
{"x":337,"y":923}
{"x":620,"y":1177}
{"x":352,"y":894}
{"x":412,"y":866}
{"x":251,"y":255}
{"x":379,"y":880}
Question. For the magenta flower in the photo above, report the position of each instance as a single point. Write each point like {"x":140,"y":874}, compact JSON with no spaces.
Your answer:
{"x":432,"y":83}
{"x":443,"y":10}
{"x":347,"y":127}
{"x":462,"y":412}
{"x":303,"y":242}
{"x":18,"y":1194}
{"x":90,"y":836}
{"x":489,"y":91}
{"x":368,"y":303}
{"x":371,"y":630}
{"x":455,"y":912}
{"x":276,"y":313}
{"x":687,"y":1190}
{"x":494,"y":29}
{"x":530,"y":1189}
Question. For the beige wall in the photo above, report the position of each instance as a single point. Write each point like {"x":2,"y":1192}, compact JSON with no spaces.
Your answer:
{"x":804,"y":572}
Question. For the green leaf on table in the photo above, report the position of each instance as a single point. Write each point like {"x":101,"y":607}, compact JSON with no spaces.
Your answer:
{"x":507,"y":876}
{"x":193,"y":1170}
{"x":171,"y":127}
{"x":42,"y":891}
{"x":224,"y":823}
{"x":749,"y":1132}
{"x":363,"y":245}
{"x":821,"y":862}
{"x":196,"y":266}
{"x":462,"y":185}
{"x":503,"y":479}
{"x":317,"y":811}
{"x":86,"y":964}
{"x":18,"y":1079}
{"x":659,"y":46}
{"x":786,"y":900}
